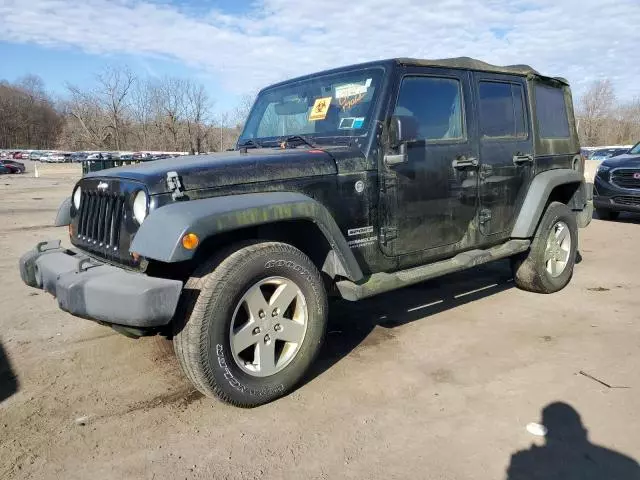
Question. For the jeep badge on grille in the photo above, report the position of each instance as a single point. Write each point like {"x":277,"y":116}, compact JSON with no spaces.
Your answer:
{"x":103,"y":186}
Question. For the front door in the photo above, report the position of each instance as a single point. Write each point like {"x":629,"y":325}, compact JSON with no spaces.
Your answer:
{"x":506,"y":150}
{"x":431,"y":198}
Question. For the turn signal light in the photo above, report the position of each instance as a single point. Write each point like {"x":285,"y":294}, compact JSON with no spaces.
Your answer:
{"x":190,"y":241}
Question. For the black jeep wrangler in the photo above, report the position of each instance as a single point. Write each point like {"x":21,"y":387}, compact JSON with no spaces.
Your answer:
{"x":351,"y":182}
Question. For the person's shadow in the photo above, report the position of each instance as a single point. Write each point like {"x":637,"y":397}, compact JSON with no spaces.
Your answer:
{"x":568,"y":454}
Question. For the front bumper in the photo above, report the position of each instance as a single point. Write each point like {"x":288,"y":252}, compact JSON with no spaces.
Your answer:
{"x":607,"y":196}
{"x":90,"y":289}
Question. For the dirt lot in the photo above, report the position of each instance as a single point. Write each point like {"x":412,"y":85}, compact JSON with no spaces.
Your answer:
{"x":437,"y":381}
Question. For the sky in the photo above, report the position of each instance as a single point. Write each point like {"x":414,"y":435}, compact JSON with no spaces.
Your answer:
{"x":235,"y":47}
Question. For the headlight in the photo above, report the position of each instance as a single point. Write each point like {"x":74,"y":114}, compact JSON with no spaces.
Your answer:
{"x":140,"y":207}
{"x":603,"y":168}
{"x":77,"y":195}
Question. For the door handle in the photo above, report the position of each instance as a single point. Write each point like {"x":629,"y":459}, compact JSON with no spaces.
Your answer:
{"x":464,"y":162}
{"x":522,"y":159}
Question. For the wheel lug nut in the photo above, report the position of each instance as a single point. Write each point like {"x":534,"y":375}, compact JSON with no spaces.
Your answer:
{"x":261,"y":314}
{"x":277,"y":327}
{"x":267,"y":338}
{"x":275,"y":313}
{"x":256,"y":330}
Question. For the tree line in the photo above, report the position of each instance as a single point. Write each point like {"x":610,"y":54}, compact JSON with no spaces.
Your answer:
{"x":603,"y":119}
{"x":122,"y":111}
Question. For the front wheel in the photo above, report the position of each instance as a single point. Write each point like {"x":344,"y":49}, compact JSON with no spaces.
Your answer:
{"x":255,"y":318}
{"x":548,"y":265}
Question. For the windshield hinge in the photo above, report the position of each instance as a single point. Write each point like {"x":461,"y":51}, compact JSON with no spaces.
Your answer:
{"x":175,"y":185}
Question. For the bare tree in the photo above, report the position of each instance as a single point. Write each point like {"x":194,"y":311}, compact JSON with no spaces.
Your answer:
{"x":197,"y":109}
{"x":114,"y":84}
{"x":142,"y":111}
{"x":85,"y":108}
{"x":170,"y":102}
{"x":594,"y":107}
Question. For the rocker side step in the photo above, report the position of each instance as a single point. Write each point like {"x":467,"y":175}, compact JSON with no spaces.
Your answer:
{"x":385,"y":282}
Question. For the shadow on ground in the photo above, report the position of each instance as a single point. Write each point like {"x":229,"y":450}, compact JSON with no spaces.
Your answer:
{"x":352,"y":323}
{"x":568,"y":454}
{"x":8,"y":379}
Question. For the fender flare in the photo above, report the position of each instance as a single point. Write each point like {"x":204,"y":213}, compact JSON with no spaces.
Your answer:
{"x":537,"y":196}
{"x":63,"y":217}
{"x":159,"y":236}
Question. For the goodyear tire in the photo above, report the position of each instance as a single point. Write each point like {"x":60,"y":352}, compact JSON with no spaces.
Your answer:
{"x":253,"y":321}
{"x":548,"y":265}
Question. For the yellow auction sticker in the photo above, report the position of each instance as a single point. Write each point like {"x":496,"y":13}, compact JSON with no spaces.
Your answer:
{"x":320,"y":109}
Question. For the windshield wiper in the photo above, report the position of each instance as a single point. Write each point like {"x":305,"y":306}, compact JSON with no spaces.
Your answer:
{"x":251,"y":144}
{"x":297,"y":138}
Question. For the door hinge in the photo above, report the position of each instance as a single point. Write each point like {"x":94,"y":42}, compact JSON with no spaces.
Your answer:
{"x":484,"y":216}
{"x":389,"y":182}
{"x":387,"y":234}
{"x":485,"y":171}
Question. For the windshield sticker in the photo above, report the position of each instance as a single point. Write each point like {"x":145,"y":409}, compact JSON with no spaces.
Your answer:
{"x":350,"y":90}
{"x":351,"y":123}
{"x":320,"y":109}
{"x":349,"y":102}
{"x":368,"y":82}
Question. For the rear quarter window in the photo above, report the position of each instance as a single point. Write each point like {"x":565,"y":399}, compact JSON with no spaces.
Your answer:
{"x":551,"y":112}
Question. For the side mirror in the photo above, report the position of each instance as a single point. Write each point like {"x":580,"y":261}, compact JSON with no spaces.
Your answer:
{"x":403,"y":129}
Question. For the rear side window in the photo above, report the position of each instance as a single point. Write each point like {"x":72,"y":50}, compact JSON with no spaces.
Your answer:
{"x":436,"y":105}
{"x":502,"y":110}
{"x":551,"y":111}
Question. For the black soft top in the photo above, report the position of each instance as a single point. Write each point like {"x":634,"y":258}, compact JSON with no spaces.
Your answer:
{"x":468,"y":63}
{"x":462,"y":63}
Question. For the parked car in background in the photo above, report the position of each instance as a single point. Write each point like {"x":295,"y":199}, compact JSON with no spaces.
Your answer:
{"x":616,"y":187}
{"x":13,"y":166}
{"x":17,"y":155}
{"x":604,"y":153}
{"x":78,"y":156}
{"x":42,"y":156}
{"x":34,"y":155}
{"x":4,"y":170}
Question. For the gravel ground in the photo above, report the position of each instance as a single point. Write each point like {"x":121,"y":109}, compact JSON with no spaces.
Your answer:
{"x":437,"y":381}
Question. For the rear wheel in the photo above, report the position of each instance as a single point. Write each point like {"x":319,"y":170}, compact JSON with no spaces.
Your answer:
{"x":548,"y":265}
{"x":605,"y":214}
{"x":255,"y":318}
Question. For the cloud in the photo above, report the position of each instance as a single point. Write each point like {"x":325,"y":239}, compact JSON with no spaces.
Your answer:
{"x":275,"y":39}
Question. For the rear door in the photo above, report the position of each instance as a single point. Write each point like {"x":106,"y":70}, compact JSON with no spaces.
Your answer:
{"x":506,"y":150}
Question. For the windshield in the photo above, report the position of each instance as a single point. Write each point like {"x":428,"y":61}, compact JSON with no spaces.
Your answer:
{"x":336,"y":105}
{"x":635,"y":150}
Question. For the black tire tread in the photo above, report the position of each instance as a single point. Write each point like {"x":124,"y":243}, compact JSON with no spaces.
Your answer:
{"x":527,"y":274}
{"x":191,"y":341}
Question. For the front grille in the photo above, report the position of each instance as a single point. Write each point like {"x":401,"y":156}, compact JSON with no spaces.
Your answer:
{"x":627,"y":200}
{"x":103,"y":225}
{"x":100,"y":219}
{"x":624,"y":178}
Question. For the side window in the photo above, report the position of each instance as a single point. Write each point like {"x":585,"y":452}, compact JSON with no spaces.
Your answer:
{"x":436,"y":104}
{"x":502,"y":110}
{"x":551,"y":112}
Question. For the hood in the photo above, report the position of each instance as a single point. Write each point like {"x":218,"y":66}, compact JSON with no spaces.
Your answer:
{"x":625,"y":160}
{"x":227,"y":168}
